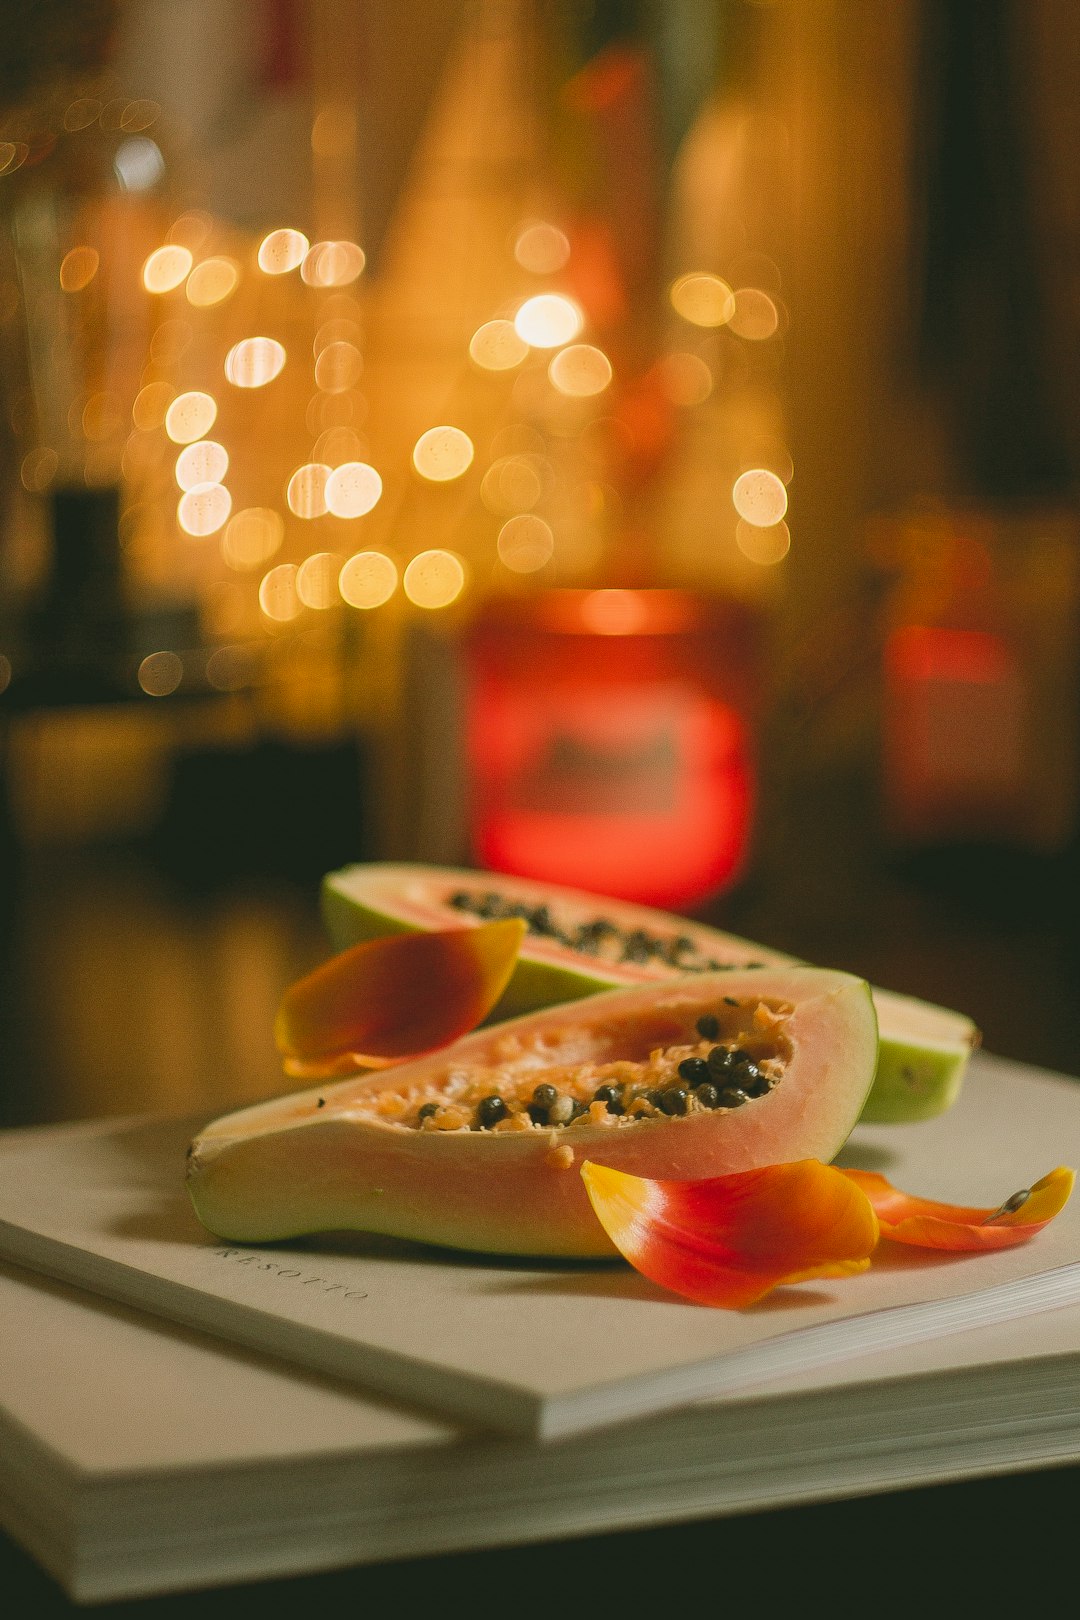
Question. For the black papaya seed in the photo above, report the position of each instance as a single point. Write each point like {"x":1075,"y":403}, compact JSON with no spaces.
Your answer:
{"x":732,"y":1097}
{"x":708,"y":1026}
{"x":674,"y":1100}
{"x":489,"y":1111}
{"x":695,"y":1071}
{"x":707,"y":1096}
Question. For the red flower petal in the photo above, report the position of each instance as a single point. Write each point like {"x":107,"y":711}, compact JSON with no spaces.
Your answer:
{"x":929,"y":1225}
{"x":730,"y":1239}
{"x":395,"y":998}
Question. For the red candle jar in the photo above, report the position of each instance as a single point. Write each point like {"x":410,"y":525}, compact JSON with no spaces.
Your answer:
{"x":610,"y":741}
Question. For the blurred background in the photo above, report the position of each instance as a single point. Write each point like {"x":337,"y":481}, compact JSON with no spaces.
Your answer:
{"x":630,"y":443}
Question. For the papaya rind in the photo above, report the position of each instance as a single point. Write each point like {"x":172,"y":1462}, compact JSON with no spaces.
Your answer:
{"x":309,"y":1162}
{"x":923,"y":1049}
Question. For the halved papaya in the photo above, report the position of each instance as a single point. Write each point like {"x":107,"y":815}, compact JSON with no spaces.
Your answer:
{"x":581,"y":943}
{"x":480,"y":1146}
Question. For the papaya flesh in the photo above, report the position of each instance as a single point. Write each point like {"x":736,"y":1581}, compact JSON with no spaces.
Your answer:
{"x":480,"y":1146}
{"x":578,"y":944}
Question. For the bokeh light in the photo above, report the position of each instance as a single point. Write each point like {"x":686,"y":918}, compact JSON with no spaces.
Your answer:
{"x":102,"y":416}
{"x":368,"y":579}
{"x":277,"y":594}
{"x":496,"y":346}
{"x":39,"y":469}
{"x":337,"y":445}
{"x":205,"y":462}
{"x":160,"y":673}
{"x":204,"y":509}
{"x":317,"y":580}
{"x":166,"y":268}
{"x":352,"y":489}
{"x":756,"y":317}
{"x":332,"y":264}
{"x":78,"y":268}
{"x":281,"y":251}
{"x":211,"y":282}
{"x":338,"y":368}
{"x":251,"y":537}
{"x":191,"y":229}
{"x":138,"y":164}
{"x":759,"y":497}
{"x":702,"y":299}
{"x":254,"y":362}
{"x":150,"y":404}
{"x":190,"y":417}
{"x":442,"y":454}
{"x":548,"y":321}
{"x":541,"y":248}
{"x":169,"y":341}
{"x":512,"y":484}
{"x":306,"y":494}
{"x":686,"y":379}
{"x":525,"y":543}
{"x":763,"y":545}
{"x":580,"y":371}
{"x":434,"y":579}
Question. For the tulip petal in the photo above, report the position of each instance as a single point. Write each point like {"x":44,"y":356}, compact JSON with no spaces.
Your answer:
{"x":925,"y":1224}
{"x":730,"y":1239}
{"x":394,"y":998}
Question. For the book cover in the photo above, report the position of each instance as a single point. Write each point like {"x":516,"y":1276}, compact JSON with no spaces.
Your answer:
{"x":540,"y":1349}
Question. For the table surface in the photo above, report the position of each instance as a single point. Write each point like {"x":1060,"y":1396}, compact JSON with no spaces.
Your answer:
{"x":125,"y":988}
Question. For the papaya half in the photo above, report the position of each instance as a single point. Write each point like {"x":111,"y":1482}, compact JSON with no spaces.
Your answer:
{"x":480,"y":1146}
{"x":578,"y":944}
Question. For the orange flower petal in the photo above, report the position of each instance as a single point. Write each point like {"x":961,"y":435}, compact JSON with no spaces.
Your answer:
{"x":929,"y":1225}
{"x":730,"y":1239}
{"x":395,"y":998}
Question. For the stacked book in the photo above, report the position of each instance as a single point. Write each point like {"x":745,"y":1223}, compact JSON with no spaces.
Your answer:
{"x":177,"y":1412}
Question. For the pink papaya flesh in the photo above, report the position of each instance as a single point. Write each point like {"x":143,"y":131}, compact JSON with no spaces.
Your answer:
{"x":480,"y":1146}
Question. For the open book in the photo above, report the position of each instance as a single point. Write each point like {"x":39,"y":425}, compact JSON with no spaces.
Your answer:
{"x":530,"y":1348}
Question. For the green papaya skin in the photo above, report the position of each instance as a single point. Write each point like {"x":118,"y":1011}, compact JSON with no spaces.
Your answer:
{"x":923,"y":1049}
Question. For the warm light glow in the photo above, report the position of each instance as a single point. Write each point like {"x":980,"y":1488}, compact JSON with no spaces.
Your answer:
{"x":103,"y":415}
{"x":169,"y":341}
{"x":282,"y":251}
{"x":204,"y":509}
{"x":192,"y":228}
{"x":317,"y":580}
{"x":212,"y":282}
{"x":160,"y":673}
{"x":277,"y":594}
{"x":763,"y":545}
{"x":13,"y":154}
{"x":580,"y":371}
{"x":338,"y":445}
{"x":756,"y":316}
{"x":614,"y":613}
{"x":368,"y":580}
{"x":442,"y":454}
{"x":254,"y":362}
{"x":702,"y":299}
{"x":511,"y":485}
{"x":39,"y":469}
{"x":541,"y":248}
{"x":339,"y":330}
{"x":206,"y":462}
{"x":138,"y":164}
{"x":338,"y":368}
{"x":496,"y":346}
{"x":150,"y":405}
{"x":252,"y":537}
{"x":434,"y":579}
{"x":548,"y":321}
{"x":686,"y":378}
{"x":78,"y":268}
{"x":352,"y":489}
{"x":307,"y":490}
{"x":760,"y":497}
{"x":229,"y":669}
{"x":166,"y":268}
{"x":189,"y":417}
{"x":81,"y":114}
{"x":525,"y":544}
{"x":333,"y":264}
